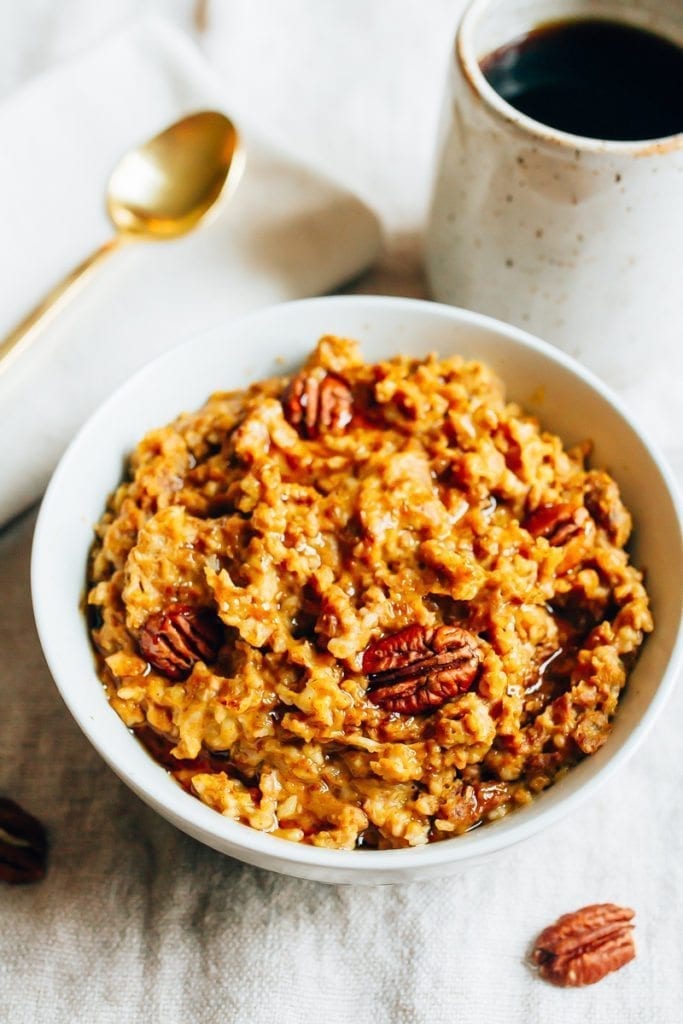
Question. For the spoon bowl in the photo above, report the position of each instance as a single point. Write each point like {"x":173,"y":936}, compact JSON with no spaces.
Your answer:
{"x":166,"y":186}
{"x":160,"y":190}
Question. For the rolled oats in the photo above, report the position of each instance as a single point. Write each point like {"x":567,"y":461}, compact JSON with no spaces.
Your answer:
{"x":265,"y":555}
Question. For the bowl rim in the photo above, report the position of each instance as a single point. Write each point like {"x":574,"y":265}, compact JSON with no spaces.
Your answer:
{"x":537,"y":131}
{"x":190,"y":814}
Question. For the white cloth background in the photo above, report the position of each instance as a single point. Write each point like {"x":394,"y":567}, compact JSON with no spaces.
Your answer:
{"x":138,"y":923}
{"x":285,"y":232}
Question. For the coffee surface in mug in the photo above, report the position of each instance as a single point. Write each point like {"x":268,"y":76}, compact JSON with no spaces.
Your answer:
{"x":596,"y":78}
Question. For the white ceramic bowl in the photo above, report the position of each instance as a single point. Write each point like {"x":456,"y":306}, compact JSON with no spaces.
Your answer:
{"x":566,"y":398}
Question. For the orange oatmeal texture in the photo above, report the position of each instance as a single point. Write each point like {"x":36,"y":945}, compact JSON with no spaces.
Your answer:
{"x":372,"y":605}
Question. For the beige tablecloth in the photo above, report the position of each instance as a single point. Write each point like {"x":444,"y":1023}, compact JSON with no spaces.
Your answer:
{"x":135,"y":922}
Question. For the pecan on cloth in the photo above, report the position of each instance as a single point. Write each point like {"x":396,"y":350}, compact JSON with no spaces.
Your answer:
{"x":584,"y":946}
{"x":23,"y":845}
{"x":421,"y":667}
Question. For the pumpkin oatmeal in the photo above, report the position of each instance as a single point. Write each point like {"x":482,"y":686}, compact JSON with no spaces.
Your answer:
{"x":367,"y":606}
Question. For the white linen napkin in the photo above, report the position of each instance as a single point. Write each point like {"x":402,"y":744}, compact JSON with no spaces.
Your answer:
{"x":286,"y":232}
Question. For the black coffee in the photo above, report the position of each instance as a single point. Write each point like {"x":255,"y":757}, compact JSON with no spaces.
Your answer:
{"x":601,"y":79}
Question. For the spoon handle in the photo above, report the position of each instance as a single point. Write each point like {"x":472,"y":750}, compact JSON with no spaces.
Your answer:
{"x":57,"y":298}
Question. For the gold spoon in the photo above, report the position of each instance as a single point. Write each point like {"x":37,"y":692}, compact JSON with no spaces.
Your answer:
{"x":160,"y":190}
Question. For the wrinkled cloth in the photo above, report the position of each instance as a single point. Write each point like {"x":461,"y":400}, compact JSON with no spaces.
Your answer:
{"x":136,"y":922}
{"x":286,"y":232}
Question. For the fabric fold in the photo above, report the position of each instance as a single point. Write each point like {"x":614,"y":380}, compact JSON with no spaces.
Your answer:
{"x":286,"y":232}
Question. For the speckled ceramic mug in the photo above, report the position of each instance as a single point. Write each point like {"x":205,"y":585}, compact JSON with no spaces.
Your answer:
{"x":579,"y":240}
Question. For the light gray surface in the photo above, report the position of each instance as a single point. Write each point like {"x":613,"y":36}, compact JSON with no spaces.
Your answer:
{"x":137,"y":923}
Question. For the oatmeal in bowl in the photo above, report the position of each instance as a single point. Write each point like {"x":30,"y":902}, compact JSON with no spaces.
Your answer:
{"x":372,"y":613}
{"x":368,"y":604}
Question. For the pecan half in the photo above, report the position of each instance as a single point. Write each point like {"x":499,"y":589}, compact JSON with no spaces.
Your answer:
{"x":582,"y":947}
{"x":421,"y":667}
{"x":557,"y":523}
{"x":174,"y":639}
{"x":315,"y":404}
{"x":23,"y":845}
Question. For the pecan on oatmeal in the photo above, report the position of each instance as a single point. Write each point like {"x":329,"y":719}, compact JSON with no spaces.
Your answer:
{"x":421,"y":667}
{"x":557,"y":523}
{"x":174,"y":639}
{"x":370,"y":605}
{"x":317,"y":402}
